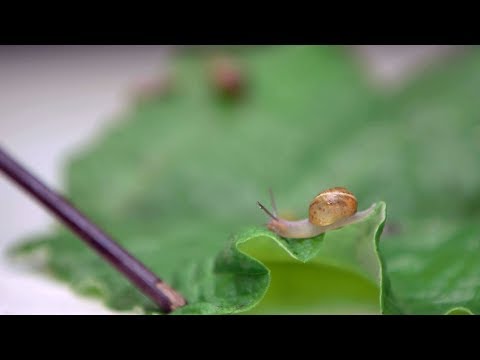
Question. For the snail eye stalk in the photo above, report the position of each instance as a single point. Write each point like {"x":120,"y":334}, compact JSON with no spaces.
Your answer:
{"x":266,"y":211}
{"x":272,"y":202}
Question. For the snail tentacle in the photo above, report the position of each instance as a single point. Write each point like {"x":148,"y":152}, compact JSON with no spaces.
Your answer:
{"x":331,"y":209}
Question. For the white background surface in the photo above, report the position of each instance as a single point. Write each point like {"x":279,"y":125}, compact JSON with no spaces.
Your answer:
{"x":53,"y":100}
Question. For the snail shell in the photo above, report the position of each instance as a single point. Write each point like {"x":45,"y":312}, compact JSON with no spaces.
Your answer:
{"x":332,"y":205}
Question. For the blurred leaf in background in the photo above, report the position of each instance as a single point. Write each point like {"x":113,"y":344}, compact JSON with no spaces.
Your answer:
{"x":179,"y":175}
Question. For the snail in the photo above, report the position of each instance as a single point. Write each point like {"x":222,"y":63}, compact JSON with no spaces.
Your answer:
{"x":329,"y":210}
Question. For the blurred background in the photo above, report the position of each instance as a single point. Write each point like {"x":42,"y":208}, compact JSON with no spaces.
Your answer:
{"x":55,"y":99}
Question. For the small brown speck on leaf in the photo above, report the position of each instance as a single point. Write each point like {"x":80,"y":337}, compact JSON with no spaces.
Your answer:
{"x":227,"y":76}
{"x":152,"y":88}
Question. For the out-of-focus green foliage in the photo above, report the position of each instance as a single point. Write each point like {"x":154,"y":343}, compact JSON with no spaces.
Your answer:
{"x":179,"y":175}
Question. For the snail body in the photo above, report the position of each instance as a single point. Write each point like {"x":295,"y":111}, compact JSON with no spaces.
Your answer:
{"x":330,"y":209}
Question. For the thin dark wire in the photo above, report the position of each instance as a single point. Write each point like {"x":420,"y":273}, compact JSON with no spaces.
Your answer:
{"x":145,"y":280}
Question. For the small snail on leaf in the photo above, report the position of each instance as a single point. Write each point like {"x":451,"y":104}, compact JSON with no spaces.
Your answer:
{"x":331,"y":209}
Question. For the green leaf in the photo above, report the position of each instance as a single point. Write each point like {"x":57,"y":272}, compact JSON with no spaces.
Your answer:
{"x":243,"y":271}
{"x":433,"y":267}
{"x":431,"y":257}
{"x":178,"y":176}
